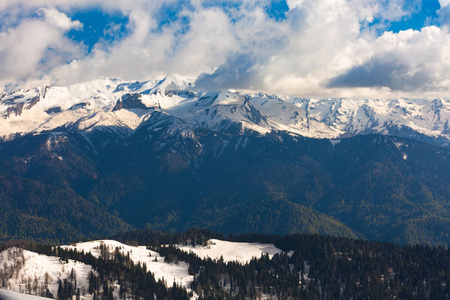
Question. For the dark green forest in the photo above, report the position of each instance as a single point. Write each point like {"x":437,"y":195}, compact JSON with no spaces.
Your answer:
{"x":65,"y":187}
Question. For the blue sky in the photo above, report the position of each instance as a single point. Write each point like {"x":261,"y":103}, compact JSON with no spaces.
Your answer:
{"x":109,"y":26}
{"x":424,"y":13}
{"x":323,"y":48}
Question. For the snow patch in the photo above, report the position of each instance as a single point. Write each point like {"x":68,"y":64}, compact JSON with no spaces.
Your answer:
{"x":231,"y":251}
{"x":334,"y":142}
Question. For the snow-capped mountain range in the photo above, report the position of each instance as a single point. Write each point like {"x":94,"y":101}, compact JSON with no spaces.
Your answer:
{"x":174,"y":102}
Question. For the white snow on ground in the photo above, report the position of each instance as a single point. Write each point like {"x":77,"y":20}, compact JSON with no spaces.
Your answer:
{"x":25,"y":272}
{"x":161,"y":270}
{"x":11,"y":295}
{"x":232,"y":251}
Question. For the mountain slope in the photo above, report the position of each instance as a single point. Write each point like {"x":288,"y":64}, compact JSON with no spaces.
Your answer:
{"x":364,"y":186}
{"x":36,"y":211}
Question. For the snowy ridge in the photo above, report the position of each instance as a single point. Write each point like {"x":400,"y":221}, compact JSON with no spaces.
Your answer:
{"x":124,"y":106}
{"x":168,"y":273}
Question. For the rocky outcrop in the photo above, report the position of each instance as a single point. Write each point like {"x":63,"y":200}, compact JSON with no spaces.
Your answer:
{"x":130,"y":101}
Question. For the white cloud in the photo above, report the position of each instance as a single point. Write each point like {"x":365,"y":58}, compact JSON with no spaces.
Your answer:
{"x":444,"y":3}
{"x":407,"y":61}
{"x":36,"y":46}
{"x":58,"y":19}
{"x":322,"y":48}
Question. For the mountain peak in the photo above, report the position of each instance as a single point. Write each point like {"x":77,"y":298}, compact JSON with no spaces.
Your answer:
{"x":172,"y":83}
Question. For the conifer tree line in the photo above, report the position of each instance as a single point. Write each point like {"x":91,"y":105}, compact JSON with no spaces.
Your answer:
{"x":310,"y":267}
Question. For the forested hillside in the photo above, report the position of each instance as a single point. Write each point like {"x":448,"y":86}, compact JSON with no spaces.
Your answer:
{"x":62,"y":187}
{"x":309,"y":266}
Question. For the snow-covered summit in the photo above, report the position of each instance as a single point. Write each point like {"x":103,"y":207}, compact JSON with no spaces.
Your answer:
{"x":172,"y":83}
{"x":124,"y":106}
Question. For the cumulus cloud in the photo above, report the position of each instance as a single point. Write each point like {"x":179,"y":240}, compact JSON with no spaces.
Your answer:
{"x":36,"y":45}
{"x":150,"y":51}
{"x":407,"y":61}
{"x":58,"y":19}
{"x":379,"y":72}
{"x":319,"y":48}
{"x":238,"y":72}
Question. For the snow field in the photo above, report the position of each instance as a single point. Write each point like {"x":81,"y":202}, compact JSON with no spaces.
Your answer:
{"x":28,"y":272}
{"x":231,"y":251}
